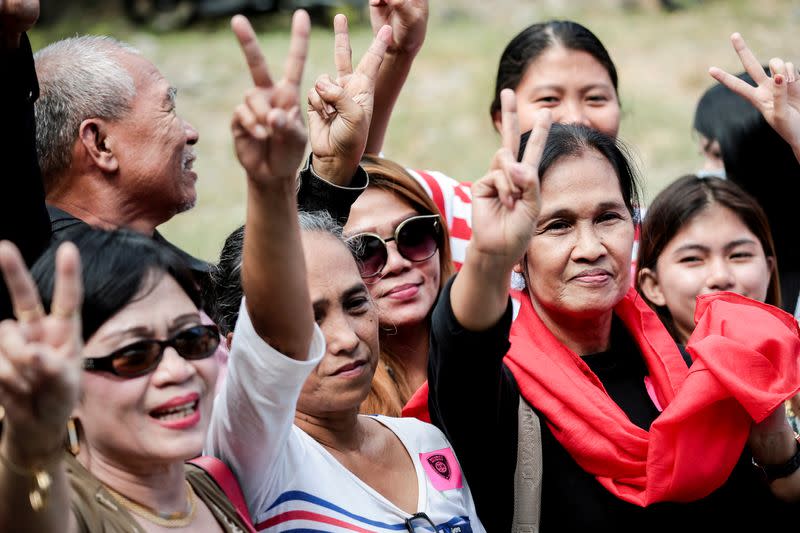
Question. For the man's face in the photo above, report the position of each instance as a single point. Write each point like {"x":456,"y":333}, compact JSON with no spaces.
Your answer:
{"x":153,"y":145}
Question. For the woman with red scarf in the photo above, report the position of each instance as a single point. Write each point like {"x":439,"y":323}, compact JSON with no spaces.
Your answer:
{"x":631,"y":439}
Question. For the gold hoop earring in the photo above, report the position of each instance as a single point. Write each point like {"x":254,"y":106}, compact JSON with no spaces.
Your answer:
{"x":72,"y":437}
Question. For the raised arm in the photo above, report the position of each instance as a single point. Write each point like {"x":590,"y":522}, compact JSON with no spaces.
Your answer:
{"x":339,"y":114}
{"x":40,"y":370}
{"x":270,"y":139}
{"x":505,"y":206}
{"x":24,"y":221}
{"x":340,"y":110}
{"x":409,"y":22}
{"x":777,"y":97}
{"x":276,"y":343}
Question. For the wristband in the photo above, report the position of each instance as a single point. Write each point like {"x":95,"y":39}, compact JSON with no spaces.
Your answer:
{"x":773,"y":472}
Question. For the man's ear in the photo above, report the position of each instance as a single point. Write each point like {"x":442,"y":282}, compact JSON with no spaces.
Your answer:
{"x":649,"y":287}
{"x":94,"y":137}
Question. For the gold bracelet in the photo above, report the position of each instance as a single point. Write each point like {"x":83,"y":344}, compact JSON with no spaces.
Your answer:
{"x":41,"y":481}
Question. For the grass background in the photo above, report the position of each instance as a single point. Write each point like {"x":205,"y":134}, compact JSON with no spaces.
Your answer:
{"x":441,"y":121}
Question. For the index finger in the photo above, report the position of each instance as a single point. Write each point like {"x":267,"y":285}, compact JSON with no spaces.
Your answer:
{"x":509,"y":121}
{"x":21,"y":288}
{"x":735,"y":84}
{"x":370,"y":64}
{"x":749,"y":61}
{"x":298,"y":48}
{"x":538,"y":138}
{"x":252,"y":51}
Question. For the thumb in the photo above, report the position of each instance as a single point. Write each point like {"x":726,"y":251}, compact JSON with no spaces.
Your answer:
{"x":334,"y":95}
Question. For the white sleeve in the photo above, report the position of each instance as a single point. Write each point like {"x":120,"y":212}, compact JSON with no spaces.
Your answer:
{"x":254,"y":411}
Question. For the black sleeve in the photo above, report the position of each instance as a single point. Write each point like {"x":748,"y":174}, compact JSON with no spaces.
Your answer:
{"x":23,"y":218}
{"x":316,"y":194}
{"x":474,"y":399}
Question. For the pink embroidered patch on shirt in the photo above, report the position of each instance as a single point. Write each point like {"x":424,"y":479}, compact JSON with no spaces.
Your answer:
{"x":442,"y":469}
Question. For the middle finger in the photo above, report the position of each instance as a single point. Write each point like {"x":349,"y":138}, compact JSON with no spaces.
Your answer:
{"x":298,"y":49}
{"x":749,"y":61}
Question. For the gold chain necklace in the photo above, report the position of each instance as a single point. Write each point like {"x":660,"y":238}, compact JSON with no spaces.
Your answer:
{"x":169,"y":520}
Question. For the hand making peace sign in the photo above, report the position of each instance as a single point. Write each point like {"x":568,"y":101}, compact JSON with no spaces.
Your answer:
{"x":408,"y":19}
{"x":776,"y":97}
{"x":268,"y":131}
{"x":506,"y":203}
{"x":40,"y":355}
{"x":340,"y":110}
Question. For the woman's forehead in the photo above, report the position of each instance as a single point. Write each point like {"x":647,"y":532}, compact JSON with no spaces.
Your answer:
{"x":377,"y":209}
{"x":576,"y":180}
{"x":328,"y":259}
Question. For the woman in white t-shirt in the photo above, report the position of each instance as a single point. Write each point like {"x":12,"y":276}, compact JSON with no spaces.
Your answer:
{"x":286,"y":419}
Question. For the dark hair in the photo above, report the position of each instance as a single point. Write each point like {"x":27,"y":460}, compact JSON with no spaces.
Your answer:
{"x":534,"y":40}
{"x":225,"y":290}
{"x":226,"y":277}
{"x":569,"y":140}
{"x":720,"y":112}
{"x":118,"y":267}
{"x":679,"y":204}
{"x":758,"y":160}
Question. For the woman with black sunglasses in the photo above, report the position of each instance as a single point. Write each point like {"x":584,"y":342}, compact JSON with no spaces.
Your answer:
{"x":136,"y":412}
{"x":303,"y":353}
{"x":403,"y":247}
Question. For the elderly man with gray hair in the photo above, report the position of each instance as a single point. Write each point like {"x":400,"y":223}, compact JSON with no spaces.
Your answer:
{"x":96,"y":138}
{"x":112,"y":150}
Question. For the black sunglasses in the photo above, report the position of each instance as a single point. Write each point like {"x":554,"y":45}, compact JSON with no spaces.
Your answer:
{"x":417,"y":239}
{"x":139,"y":358}
{"x":420,"y":523}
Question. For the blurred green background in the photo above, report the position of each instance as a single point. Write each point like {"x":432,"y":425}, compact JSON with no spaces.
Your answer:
{"x":441,"y":121}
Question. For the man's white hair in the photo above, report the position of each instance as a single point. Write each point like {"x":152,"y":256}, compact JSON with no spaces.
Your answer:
{"x":79,"y":78}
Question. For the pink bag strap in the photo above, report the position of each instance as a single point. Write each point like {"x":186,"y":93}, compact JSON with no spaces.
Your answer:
{"x":223,"y":476}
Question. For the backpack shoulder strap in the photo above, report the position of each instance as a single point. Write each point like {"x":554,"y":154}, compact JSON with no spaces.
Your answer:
{"x":223,"y":476}
{"x":528,"y":473}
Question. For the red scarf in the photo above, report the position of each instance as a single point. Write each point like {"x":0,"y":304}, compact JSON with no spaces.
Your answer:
{"x":694,"y":444}
{"x":745,"y":365}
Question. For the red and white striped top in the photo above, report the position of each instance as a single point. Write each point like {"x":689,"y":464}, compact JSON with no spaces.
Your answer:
{"x":454,"y":200}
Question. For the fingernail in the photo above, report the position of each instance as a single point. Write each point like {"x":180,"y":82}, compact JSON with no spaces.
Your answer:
{"x":280,"y":120}
{"x":330,"y":109}
{"x":260,"y":131}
